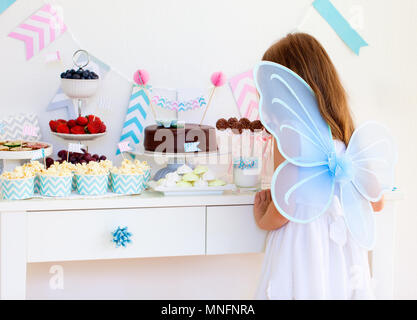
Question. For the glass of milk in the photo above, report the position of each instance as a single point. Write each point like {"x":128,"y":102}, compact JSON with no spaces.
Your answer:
{"x":246,"y":172}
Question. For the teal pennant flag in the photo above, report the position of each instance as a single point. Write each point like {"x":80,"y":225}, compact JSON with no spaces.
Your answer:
{"x":339,"y":24}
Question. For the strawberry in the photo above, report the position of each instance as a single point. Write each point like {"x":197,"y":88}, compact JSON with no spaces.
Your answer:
{"x":53,"y":124}
{"x":72,"y":123}
{"x":81,"y":121}
{"x":94,"y":127}
{"x":102,"y":127}
{"x":62,"y":128}
{"x":93,"y":118}
{"x":61,"y":121}
{"x":77,"y":130}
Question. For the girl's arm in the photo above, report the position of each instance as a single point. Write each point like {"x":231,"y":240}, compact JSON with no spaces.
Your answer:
{"x":266,"y":215}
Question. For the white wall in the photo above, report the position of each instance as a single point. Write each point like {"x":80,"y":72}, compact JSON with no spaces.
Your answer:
{"x":181,"y":43}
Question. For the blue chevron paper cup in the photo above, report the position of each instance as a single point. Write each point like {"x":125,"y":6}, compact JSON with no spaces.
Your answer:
{"x":127,"y":183}
{"x":147,"y":178}
{"x":55,"y":186}
{"x":17,"y":189}
{"x":73,"y":183}
{"x":92,"y":185}
{"x":37,"y":185}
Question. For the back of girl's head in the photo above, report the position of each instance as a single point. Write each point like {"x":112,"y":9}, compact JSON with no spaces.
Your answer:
{"x":304,"y":55}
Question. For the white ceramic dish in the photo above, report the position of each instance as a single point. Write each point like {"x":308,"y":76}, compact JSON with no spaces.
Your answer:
{"x":79,"y":137}
{"x":20,"y":155}
{"x":190,"y":191}
{"x":80,"y":88}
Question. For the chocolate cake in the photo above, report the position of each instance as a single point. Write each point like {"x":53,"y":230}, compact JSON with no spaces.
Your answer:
{"x":172,"y":140}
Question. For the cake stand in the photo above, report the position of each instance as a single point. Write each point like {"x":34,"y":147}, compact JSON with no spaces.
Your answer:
{"x":175,"y":160}
{"x":12,"y":159}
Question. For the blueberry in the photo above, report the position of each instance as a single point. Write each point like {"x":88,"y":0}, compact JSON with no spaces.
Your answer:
{"x":72,"y":70}
{"x":76,"y":76}
{"x":86,"y":74}
{"x":63,"y":75}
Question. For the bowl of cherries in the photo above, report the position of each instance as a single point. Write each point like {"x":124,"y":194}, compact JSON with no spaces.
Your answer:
{"x":79,"y":84}
{"x":75,"y":157}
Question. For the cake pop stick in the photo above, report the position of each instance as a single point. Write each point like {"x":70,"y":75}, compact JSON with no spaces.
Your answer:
{"x":217,"y":79}
{"x":141,"y":77}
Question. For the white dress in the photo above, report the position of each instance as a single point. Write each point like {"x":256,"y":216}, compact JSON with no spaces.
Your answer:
{"x":317,"y":260}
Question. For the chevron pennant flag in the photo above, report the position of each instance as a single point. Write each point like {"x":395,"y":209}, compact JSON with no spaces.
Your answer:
{"x":53,"y":56}
{"x":191,"y":146}
{"x":39,"y":30}
{"x":91,"y":185}
{"x":127,"y":184}
{"x":4,"y":4}
{"x":246,"y":95}
{"x":55,"y":186}
{"x":60,"y":101}
{"x":12,"y":127}
{"x":136,"y":114}
{"x":95,"y":65}
{"x":17,"y":189}
{"x":179,"y":105}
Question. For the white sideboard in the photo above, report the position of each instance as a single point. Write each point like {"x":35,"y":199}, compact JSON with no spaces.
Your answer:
{"x":42,"y":230}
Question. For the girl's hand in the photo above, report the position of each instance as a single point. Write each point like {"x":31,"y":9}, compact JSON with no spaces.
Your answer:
{"x":262,"y":201}
{"x":378,"y":206}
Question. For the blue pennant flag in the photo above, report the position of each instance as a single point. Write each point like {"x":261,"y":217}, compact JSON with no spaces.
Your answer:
{"x":191,"y":146}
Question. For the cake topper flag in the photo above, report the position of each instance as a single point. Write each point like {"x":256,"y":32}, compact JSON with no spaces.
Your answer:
{"x":136,"y":114}
{"x":30,"y":130}
{"x":245,"y":94}
{"x":304,"y":186}
{"x":217,"y":79}
{"x":40,"y":29}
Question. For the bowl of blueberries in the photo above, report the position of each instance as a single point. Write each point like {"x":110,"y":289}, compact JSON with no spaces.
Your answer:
{"x":79,"y":84}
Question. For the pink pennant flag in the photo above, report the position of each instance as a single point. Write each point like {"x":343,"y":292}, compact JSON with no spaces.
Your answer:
{"x":29,"y":130}
{"x":246,"y":95}
{"x":124,"y":146}
{"x":53,"y":56}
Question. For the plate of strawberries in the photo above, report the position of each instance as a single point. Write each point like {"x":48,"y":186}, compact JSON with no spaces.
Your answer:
{"x":83,"y":128}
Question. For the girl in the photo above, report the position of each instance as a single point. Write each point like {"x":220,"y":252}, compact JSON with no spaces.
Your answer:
{"x":317,"y":260}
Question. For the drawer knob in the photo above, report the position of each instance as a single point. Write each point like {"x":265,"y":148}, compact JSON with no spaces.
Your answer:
{"x":121,"y":237}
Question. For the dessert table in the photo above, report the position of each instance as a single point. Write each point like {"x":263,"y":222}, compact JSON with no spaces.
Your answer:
{"x":46,"y":230}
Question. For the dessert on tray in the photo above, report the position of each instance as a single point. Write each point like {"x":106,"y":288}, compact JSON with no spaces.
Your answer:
{"x":174,"y":139}
{"x":90,"y":124}
{"x":20,"y":145}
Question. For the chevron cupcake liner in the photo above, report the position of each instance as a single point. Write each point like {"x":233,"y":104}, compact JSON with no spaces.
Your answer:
{"x":92,"y":185}
{"x":17,"y":189}
{"x":37,"y":184}
{"x":51,"y":186}
{"x":73,"y":183}
{"x":127,"y":183}
{"x":146,"y":179}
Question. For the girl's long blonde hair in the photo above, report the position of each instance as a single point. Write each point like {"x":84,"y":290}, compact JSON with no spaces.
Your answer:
{"x":304,"y":55}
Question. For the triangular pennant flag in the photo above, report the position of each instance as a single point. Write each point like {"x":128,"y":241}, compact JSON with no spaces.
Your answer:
{"x":61,"y":100}
{"x":246,"y":96}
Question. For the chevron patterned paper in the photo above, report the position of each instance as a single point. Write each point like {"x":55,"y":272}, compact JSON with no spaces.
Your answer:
{"x":59,"y":101}
{"x":91,"y":185}
{"x":37,"y":184}
{"x":146,"y":179}
{"x":136,"y":114}
{"x":191,"y":104}
{"x":55,"y":186}
{"x":127,"y":183}
{"x":246,"y":95}
{"x":39,"y":30}
{"x":17,"y":189}
{"x":13,"y":127}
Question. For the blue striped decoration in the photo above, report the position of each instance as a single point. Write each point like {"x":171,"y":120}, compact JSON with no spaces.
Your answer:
{"x":92,"y":185}
{"x":136,"y":114}
{"x":51,"y":186}
{"x":127,"y":183}
{"x":17,"y":189}
{"x":37,"y":184}
{"x":146,"y":178}
{"x":60,"y":101}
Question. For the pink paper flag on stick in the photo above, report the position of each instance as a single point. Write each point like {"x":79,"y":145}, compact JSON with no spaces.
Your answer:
{"x":246,"y":95}
{"x":29,"y":130}
{"x":40,"y":29}
{"x":124,"y":146}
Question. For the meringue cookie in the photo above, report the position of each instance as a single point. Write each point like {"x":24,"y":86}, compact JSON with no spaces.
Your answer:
{"x":208,"y":176}
{"x":173,"y":176}
{"x":183,"y":183}
{"x":184,"y":169}
{"x":161,"y":182}
{"x":216,"y":183}
{"x":200,"y":183}
{"x":190,"y":177}
{"x":200,"y":169}
{"x":170,"y":183}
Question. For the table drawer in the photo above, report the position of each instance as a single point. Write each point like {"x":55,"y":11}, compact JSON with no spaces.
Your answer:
{"x":87,"y":234}
{"x":232,"y":229}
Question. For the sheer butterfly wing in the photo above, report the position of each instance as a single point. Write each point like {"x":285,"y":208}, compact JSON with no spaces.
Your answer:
{"x":373,"y":154}
{"x":359,"y":216}
{"x":302,"y":194}
{"x":288,"y":109}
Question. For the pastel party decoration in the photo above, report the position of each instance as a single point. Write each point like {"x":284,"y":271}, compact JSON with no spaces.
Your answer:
{"x":39,"y":30}
{"x":4,"y":4}
{"x":13,"y":126}
{"x":53,"y":56}
{"x":94,"y":64}
{"x":136,"y":114}
{"x":245,"y":163}
{"x":17,"y":189}
{"x":245,"y":94}
{"x":124,"y":146}
{"x":127,"y":183}
{"x":75,"y":147}
{"x":191,"y":146}
{"x":38,"y":154}
{"x":314,"y":169}
{"x":121,"y":237}
{"x":141,"y":77}
{"x":340,"y":25}
{"x":217,"y":79}
{"x":91,"y":185}
{"x":51,"y":186}
{"x":30,"y":130}
{"x":61,"y":101}
{"x":179,"y":105}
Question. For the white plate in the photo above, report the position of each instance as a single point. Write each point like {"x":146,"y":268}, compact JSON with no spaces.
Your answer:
{"x":189,"y":191}
{"x":17,"y":155}
{"x":79,"y":137}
